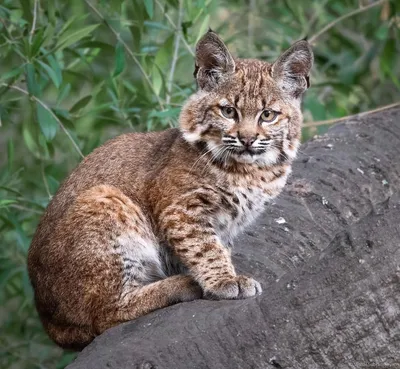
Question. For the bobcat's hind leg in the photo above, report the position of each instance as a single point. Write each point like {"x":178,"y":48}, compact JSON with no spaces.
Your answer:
{"x":137,"y":302}
{"x":106,"y":269}
{"x":143,"y":300}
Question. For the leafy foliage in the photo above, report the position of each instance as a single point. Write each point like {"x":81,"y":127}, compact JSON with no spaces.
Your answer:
{"x":73,"y":74}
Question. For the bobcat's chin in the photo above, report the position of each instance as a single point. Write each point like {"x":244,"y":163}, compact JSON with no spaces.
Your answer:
{"x":265,"y":158}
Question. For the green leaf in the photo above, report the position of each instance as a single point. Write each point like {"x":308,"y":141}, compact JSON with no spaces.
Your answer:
{"x":47,"y":37}
{"x":12,"y":190}
{"x":97,"y":88}
{"x":165,"y":113}
{"x":56,"y":68}
{"x":5,"y":202}
{"x":96,"y":45}
{"x":12,"y":73}
{"x":65,"y":360}
{"x":22,"y":239}
{"x":388,"y":61}
{"x":72,"y":21}
{"x":10,"y":154}
{"x":47,"y":122}
{"x":382,"y":32}
{"x":81,"y":104}
{"x":51,"y":12}
{"x":53,"y":183}
{"x":163,"y":56}
{"x":157,"y":79}
{"x":28,"y":292}
{"x":37,"y":43}
{"x":136,"y":33}
{"x":149,"y":5}
{"x":71,"y":36}
{"x":62,"y":113}
{"x":157,"y":25}
{"x":316,"y":108}
{"x":9,"y":274}
{"x":388,"y":57}
{"x":33,"y":86}
{"x":30,"y":138}
{"x":97,"y":109}
{"x":203,"y":27}
{"x":119,"y":59}
{"x":52,"y":74}
{"x":64,"y":92}
{"x":26,"y":8}
{"x":46,"y":147}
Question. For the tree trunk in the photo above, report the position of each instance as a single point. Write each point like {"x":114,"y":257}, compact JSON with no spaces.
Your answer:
{"x":327,"y":254}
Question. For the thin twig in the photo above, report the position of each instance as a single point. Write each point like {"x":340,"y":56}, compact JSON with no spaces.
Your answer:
{"x":50,"y":111}
{"x":128,"y":50}
{"x":19,"y":207}
{"x":35,"y":10}
{"x":359,"y":115}
{"x":175,"y":55}
{"x":46,"y":185}
{"x":171,"y":22}
{"x":312,"y":39}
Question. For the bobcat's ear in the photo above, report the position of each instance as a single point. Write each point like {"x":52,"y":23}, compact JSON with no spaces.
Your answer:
{"x":292,"y":69}
{"x":214,"y":63}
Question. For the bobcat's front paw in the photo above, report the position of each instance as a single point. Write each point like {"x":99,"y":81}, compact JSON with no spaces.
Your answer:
{"x":239,"y":287}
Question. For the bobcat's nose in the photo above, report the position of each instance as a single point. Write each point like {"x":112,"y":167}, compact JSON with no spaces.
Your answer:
{"x":247,"y":141}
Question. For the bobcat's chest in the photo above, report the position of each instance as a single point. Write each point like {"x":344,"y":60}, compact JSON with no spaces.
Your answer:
{"x":248,"y":199}
{"x":247,"y":205}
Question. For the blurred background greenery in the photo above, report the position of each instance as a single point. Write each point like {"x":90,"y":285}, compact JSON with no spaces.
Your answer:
{"x":75,"y":73}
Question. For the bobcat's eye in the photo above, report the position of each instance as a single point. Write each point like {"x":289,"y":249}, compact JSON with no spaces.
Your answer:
{"x":228,"y":112}
{"x":268,"y":116}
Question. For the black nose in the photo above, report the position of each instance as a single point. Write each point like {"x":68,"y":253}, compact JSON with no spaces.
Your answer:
{"x":247,"y":141}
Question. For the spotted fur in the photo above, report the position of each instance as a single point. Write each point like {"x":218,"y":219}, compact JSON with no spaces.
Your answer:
{"x":148,"y":220}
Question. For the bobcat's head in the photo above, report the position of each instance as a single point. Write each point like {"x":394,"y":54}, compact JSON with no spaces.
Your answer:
{"x":247,"y":110}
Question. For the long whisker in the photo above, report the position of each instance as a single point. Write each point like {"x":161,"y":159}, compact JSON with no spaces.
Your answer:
{"x":274,"y":146}
{"x":202,"y":155}
{"x":215,"y":155}
{"x":223,"y":155}
{"x":226,"y":157}
{"x":210,"y":158}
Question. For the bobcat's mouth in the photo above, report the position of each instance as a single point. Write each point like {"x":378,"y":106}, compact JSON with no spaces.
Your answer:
{"x":261,"y":155}
{"x":251,"y":151}
{"x":243,"y":154}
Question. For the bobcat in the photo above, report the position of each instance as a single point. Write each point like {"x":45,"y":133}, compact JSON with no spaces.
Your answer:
{"x":147,"y":220}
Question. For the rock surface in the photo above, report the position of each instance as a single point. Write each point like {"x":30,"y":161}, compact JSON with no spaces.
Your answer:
{"x":327,"y":254}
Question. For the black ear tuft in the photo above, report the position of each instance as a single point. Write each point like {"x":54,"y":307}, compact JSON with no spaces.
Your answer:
{"x":292,"y":69}
{"x":214,"y":63}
